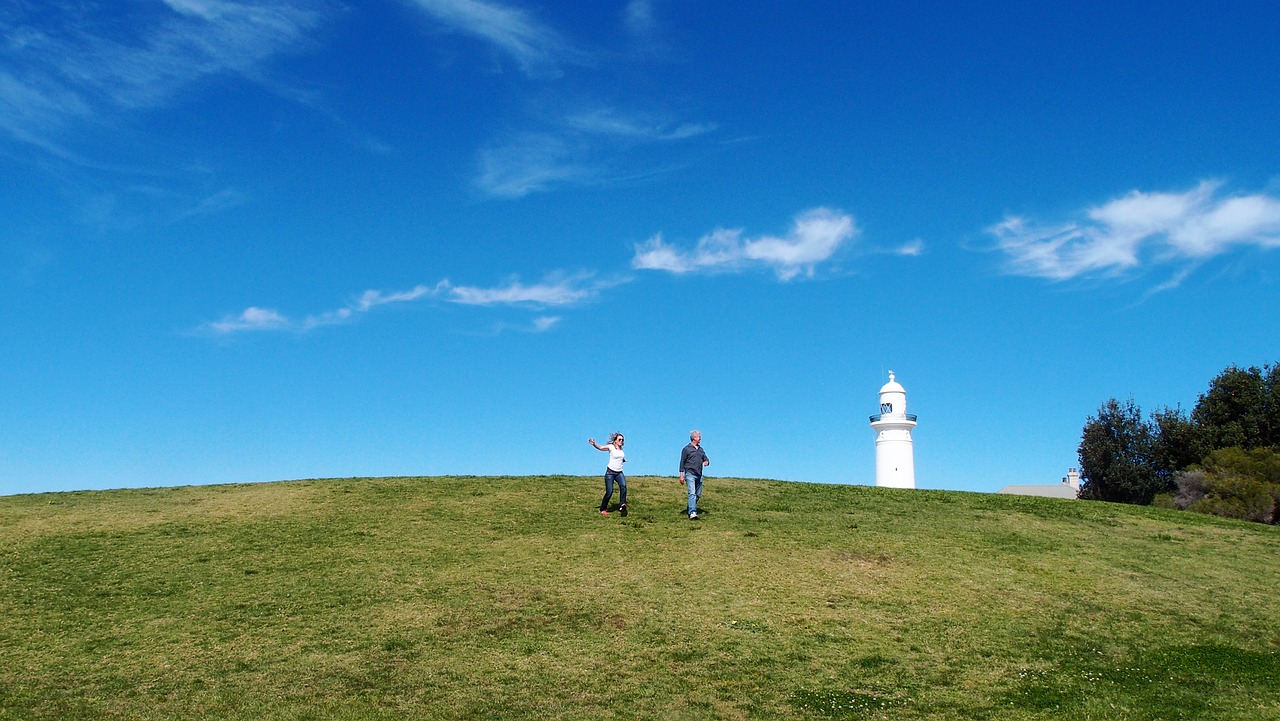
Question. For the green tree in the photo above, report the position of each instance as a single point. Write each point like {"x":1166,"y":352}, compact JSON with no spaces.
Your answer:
{"x":1179,"y":442}
{"x":1241,"y":409}
{"x":1116,"y":449}
{"x":1124,"y":459}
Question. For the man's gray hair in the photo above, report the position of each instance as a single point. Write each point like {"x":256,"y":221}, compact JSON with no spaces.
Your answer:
{"x":694,"y":433}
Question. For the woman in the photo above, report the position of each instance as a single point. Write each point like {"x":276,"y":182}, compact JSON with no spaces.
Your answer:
{"x":613,"y":472}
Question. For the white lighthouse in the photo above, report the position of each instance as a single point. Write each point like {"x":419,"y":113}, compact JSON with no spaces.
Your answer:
{"x":895,"y":461}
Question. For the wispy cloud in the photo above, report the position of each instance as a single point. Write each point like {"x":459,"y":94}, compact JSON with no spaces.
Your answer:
{"x":1140,"y":229}
{"x":561,"y":148}
{"x":586,"y":147}
{"x":71,"y":61}
{"x":545,"y":323}
{"x":912,"y":249}
{"x":814,"y":238}
{"x":213,"y":204}
{"x":538,"y":49}
{"x":635,"y":126}
{"x":252,"y":319}
{"x":366,"y":302}
{"x":530,"y":163}
{"x":639,"y":17}
{"x":556,"y":291}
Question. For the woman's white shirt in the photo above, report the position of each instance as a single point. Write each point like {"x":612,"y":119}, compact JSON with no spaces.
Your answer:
{"x":616,"y":457}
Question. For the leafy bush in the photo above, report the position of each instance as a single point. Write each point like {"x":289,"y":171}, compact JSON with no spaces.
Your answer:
{"x":1233,"y":483}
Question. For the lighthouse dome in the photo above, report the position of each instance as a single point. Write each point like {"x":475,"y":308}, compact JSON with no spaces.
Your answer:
{"x":892,"y":386}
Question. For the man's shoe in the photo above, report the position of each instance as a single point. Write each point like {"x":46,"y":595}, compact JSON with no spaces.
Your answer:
{"x":623,"y":510}
{"x":604,"y":513}
{"x":693,"y":516}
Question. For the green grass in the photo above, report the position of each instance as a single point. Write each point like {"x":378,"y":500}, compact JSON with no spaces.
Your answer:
{"x":465,"y":597}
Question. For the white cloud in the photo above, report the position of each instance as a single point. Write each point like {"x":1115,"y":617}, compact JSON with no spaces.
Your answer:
{"x":1252,"y":219}
{"x":251,"y":319}
{"x":655,"y":254}
{"x":557,"y":290}
{"x":551,"y":292}
{"x":586,"y":147}
{"x":215,"y":203}
{"x":255,"y":319}
{"x":572,"y":148}
{"x":814,"y":238}
{"x":69,"y":61}
{"x":374,"y":298}
{"x":1140,"y":229}
{"x":565,"y":148}
{"x":366,"y":302}
{"x":639,"y":16}
{"x":529,"y":163}
{"x":537,"y":49}
{"x":637,"y":126}
{"x":913,"y":249}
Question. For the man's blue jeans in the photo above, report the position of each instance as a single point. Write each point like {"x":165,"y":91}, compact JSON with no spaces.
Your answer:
{"x":693,"y":483}
{"x":609,"y":478}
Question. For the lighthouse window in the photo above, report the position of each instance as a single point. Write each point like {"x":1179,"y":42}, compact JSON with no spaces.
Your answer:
{"x":886,"y":408}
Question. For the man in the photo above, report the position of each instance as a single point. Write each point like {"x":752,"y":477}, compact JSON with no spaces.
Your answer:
{"x":692,"y":460}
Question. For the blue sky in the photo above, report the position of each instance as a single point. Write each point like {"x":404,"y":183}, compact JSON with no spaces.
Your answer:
{"x":254,"y":241}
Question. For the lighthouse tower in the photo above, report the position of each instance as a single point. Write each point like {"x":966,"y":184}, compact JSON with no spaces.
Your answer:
{"x":895,"y":462}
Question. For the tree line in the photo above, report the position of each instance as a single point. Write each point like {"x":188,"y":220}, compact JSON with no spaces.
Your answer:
{"x":1222,"y":458}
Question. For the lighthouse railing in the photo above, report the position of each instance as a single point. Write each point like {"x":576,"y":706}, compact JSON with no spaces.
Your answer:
{"x":894,"y":416}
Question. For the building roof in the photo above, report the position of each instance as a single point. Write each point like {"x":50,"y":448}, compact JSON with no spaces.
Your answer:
{"x":1045,"y":490}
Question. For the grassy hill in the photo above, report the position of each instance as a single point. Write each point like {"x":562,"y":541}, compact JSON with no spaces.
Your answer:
{"x":465,"y":597}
